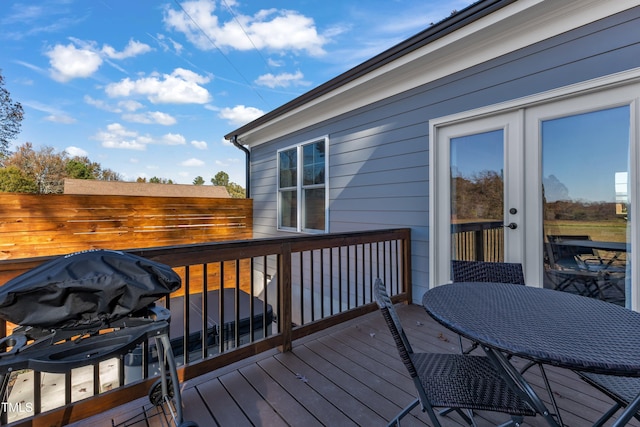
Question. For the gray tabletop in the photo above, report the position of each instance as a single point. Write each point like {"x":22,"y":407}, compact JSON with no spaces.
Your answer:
{"x":595,"y":244}
{"x":543,"y":325}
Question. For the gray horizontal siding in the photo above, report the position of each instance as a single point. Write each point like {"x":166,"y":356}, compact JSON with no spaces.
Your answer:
{"x":378,"y":155}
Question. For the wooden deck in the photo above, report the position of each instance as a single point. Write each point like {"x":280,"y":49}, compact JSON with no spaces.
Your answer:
{"x":349,"y":375}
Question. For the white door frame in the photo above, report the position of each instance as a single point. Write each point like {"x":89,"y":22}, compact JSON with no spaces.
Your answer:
{"x":609,"y":91}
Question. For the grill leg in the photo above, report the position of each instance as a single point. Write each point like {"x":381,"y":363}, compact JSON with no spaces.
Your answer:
{"x":168,"y":363}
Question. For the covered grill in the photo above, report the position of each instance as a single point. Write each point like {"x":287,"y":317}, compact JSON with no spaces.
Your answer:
{"x":87,"y":307}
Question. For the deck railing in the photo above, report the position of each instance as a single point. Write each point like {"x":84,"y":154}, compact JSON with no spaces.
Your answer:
{"x":478,"y":241}
{"x":241,"y":298}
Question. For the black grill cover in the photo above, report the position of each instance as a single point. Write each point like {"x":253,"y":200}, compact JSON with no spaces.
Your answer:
{"x":85,"y":290}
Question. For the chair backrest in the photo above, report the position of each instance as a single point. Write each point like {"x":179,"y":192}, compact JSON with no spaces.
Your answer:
{"x":560,"y":251}
{"x":393,"y":322}
{"x":481,"y":271}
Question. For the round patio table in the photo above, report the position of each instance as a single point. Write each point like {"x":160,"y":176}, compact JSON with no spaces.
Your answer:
{"x":542,"y":325}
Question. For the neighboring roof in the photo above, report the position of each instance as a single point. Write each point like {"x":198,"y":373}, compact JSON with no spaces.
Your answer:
{"x":431,"y":34}
{"x":122,"y":188}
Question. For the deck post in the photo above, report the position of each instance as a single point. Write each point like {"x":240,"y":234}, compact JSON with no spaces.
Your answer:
{"x":406,"y":266}
{"x":285,"y":317}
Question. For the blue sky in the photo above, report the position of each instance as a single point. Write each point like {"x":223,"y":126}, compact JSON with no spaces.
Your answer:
{"x":149,"y":88}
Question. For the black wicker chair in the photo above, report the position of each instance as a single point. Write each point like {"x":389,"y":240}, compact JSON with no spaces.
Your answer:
{"x":622,"y":390}
{"x":573,"y":257}
{"x":497,"y":272}
{"x":481,"y":271}
{"x":454,"y":381}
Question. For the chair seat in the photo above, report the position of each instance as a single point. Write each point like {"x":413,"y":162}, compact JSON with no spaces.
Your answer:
{"x":621,"y":389}
{"x":463,"y":381}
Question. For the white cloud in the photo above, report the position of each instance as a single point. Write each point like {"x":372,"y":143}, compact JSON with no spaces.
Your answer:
{"x":80,"y":59}
{"x":68,"y":62}
{"x":275,"y":63}
{"x":133,"y":48}
{"x":200,"y":145}
{"x":193,"y":162}
{"x":282,"y":80}
{"x":180,"y":87}
{"x":227,"y":162}
{"x":60,"y":118}
{"x":167,"y":44}
{"x":151,"y":117}
{"x":76,"y":151}
{"x":130,"y":105}
{"x":270,"y":29}
{"x":240,"y":115}
{"x":117,"y":136}
{"x":31,"y":67}
{"x":100,"y":104}
{"x":172,"y":139}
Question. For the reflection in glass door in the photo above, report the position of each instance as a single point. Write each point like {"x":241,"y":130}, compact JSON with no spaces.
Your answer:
{"x":585,"y":161}
{"x":477,"y":196}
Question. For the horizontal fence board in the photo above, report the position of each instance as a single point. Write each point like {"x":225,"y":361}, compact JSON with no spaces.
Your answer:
{"x":43,"y":225}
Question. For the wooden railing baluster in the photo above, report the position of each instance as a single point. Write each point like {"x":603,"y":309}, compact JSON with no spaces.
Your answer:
{"x":186,"y":330}
{"x":204,"y":321}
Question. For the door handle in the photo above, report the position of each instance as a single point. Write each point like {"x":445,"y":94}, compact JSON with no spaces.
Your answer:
{"x":511,"y":225}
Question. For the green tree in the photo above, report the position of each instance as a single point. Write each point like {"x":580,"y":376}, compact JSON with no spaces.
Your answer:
{"x":13,"y":180}
{"x":11,"y":115}
{"x":221,"y":179}
{"x":78,"y":170}
{"x":235,"y":190}
{"x":81,"y":167}
{"x":198,"y":180}
{"x":156,"y":180}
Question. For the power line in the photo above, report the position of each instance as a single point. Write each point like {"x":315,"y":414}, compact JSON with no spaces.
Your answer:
{"x":235,"y":18}
{"x":220,"y":51}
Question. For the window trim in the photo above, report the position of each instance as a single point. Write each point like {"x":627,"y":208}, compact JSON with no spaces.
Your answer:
{"x":300,"y":187}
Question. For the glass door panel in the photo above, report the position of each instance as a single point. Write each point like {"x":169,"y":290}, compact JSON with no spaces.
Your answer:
{"x":585,"y":161}
{"x":477,"y":196}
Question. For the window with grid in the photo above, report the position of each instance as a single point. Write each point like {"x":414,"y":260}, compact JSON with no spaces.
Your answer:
{"x":302,"y":204}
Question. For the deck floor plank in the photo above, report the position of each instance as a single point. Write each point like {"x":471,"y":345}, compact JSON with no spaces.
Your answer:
{"x":342,"y":390}
{"x":197,"y":408}
{"x":285,"y":392}
{"x":384,"y":390}
{"x":252,"y":403}
{"x":219,"y":403}
{"x":349,"y":374}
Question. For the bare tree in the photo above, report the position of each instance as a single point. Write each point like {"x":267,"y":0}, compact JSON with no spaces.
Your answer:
{"x":11,"y":114}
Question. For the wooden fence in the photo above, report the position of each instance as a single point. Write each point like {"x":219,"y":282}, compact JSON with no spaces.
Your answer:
{"x":48,"y":225}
